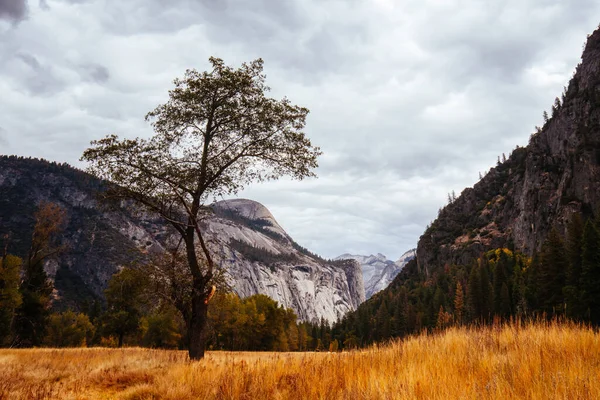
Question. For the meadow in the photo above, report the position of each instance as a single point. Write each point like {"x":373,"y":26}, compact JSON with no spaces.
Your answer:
{"x":514,"y":361}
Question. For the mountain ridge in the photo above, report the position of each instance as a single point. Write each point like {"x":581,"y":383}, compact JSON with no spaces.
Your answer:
{"x":539,"y":187}
{"x":243,"y":234}
{"x":378,"y":272}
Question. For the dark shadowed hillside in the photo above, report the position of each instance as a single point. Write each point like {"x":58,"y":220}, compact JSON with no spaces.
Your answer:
{"x":97,"y":240}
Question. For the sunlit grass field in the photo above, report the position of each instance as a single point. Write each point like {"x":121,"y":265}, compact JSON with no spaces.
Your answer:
{"x":539,"y":361}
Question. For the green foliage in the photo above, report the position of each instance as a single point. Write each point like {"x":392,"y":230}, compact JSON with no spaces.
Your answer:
{"x":551,"y":274}
{"x":125,"y":301}
{"x":161,"y":329}
{"x":139,"y":313}
{"x":475,"y":294}
{"x":254,"y":323}
{"x":590,"y":272}
{"x":68,"y":329}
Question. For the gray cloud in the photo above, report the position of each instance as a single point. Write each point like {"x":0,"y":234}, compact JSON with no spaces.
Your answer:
{"x":409,"y":100}
{"x":287,"y":33}
{"x":95,"y":73}
{"x":13,"y":10}
{"x":39,"y":79}
{"x":31,"y":61}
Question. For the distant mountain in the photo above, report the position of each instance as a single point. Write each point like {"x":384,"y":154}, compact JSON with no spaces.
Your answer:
{"x":377,"y":271}
{"x":259,"y":256}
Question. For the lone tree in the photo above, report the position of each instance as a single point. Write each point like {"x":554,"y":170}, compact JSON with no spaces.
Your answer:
{"x":217,"y":133}
{"x":36,"y":289}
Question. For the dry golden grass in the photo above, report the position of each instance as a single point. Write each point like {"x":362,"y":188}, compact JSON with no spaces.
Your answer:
{"x":540,"y":361}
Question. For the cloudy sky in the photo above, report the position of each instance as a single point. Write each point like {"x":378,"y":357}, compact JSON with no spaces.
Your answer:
{"x":409,"y":99}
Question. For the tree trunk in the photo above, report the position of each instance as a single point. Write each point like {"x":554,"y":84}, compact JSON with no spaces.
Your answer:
{"x":197,"y":325}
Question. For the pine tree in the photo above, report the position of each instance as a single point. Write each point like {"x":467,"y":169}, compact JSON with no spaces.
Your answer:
{"x":590,"y":272}
{"x":302,"y":338}
{"x":459,"y":304}
{"x":574,"y":247}
{"x":32,"y":315}
{"x":487,"y":292}
{"x":505,"y":307}
{"x":400,"y":326}
{"x":499,"y":280}
{"x":382,"y":323}
{"x":315,"y":338}
{"x":552,"y":272}
{"x":531,"y":280}
{"x":474,"y":294}
{"x":519,"y":287}
{"x":439,"y":299}
{"x":443,"y":318}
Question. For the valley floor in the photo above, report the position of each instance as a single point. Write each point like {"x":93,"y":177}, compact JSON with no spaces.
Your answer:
{"x":540,"y":361}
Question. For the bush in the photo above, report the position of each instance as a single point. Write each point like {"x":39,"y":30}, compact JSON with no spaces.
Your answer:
{"x":68,"y":329}
{"x":160,"y":330}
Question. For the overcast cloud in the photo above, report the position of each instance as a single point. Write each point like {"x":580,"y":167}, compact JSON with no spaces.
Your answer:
{"x":409,"y":100}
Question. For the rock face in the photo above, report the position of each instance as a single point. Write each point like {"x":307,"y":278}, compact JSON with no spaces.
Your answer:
{"x":377,"y":271}
{"x":538,"y":187}
{"x":258,"y":255}
{"x":314,"y":288}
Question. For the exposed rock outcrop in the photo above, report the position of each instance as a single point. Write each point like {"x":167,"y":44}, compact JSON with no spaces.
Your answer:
{"x":313,"y":287}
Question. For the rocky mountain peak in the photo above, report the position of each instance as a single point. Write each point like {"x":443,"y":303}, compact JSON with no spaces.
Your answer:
{"x":377,"y":271}
{"x":250,"y":209}
{"x":406,"y":257}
